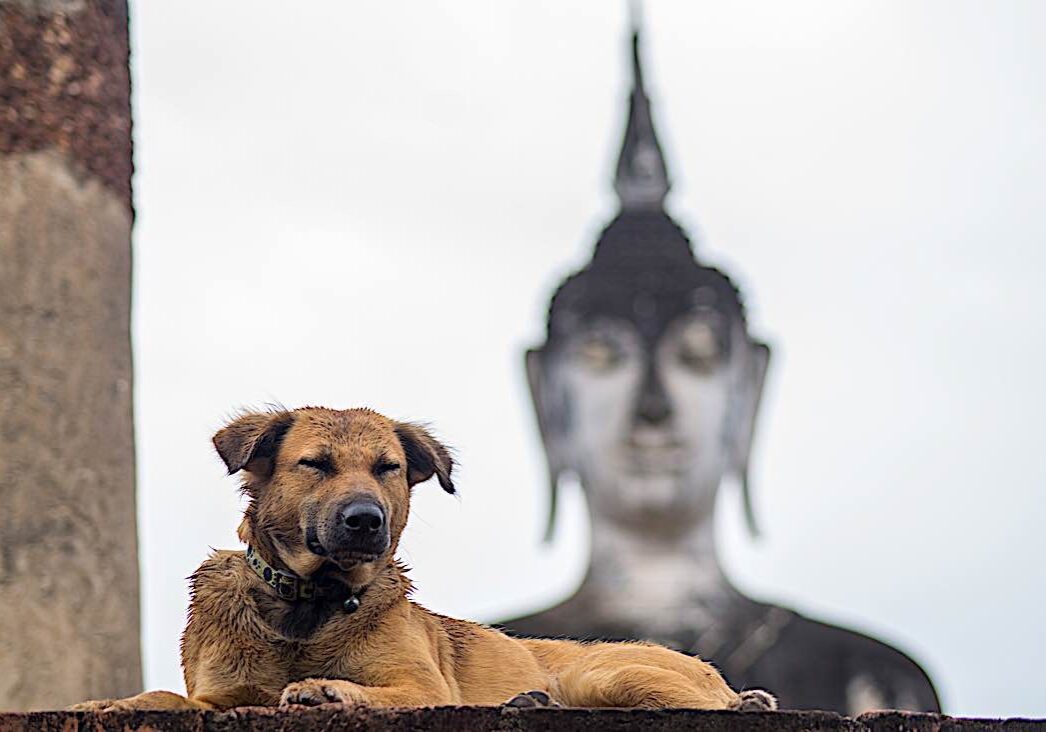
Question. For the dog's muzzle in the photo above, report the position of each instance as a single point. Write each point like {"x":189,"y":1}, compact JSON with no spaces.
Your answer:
{"x":354,"y":532}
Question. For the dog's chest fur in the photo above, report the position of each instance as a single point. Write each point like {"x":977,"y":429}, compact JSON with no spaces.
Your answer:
{"x":268,"y":640}
{"x":314,"y":638}
{"x":296,"y":621}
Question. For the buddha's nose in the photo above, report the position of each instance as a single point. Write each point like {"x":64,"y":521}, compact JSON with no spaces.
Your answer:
{"x":653,"y":406}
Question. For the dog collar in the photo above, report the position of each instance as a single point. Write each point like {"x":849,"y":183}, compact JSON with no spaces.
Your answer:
{"x":290,"y":586}
{"x":287,"y":585}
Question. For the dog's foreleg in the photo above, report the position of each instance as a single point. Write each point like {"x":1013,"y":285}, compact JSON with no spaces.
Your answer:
{"x":312,"y":692}
{"x":155,"y":700}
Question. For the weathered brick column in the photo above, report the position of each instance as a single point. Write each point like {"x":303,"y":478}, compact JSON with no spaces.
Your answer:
{"x":68,"y":546}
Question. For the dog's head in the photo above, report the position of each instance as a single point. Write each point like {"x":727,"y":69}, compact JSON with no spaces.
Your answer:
{"x":329,"y":489}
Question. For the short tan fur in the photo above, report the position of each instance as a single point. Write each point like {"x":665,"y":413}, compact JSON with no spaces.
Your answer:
{"x":245,"y":645}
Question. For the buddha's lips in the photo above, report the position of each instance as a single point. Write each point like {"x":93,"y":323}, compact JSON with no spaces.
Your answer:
{"x":654,"y":460}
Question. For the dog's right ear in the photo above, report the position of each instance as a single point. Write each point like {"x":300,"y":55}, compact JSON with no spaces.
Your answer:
{"x":250,"y":441}
{"x":426,"y":456}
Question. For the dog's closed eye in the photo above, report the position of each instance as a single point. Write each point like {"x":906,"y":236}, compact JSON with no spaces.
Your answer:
{"x":322,"y":464}
{"x":385,"y":467}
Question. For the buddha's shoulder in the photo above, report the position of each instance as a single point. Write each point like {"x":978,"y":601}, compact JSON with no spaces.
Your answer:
{"x":851,"y":646}
{"x":852,"y":656}
{"x":572,"y":618}
{"x":814,"y":664}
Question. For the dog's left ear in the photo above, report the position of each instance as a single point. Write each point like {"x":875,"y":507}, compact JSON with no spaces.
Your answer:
{"x":250,"y":441}
{"x":426,"y":456}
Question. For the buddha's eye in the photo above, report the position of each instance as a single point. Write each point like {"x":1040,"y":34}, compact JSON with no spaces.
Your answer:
{"x":599,"y":354}
{"x":699,"y":347}
{"x":322,"y":464}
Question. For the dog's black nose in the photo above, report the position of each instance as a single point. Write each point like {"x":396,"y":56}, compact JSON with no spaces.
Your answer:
{"x":357,"y":527}
{"x":363,"y":517}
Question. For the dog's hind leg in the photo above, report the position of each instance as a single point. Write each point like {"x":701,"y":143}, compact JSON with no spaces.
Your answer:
{"x":636,"y":685}
{"x":638,"y":675}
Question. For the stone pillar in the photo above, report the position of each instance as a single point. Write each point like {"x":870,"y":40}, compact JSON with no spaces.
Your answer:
{"x":68,"y":542}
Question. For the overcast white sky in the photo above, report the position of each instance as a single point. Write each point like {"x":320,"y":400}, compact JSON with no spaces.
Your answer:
{"x":369,"y":204}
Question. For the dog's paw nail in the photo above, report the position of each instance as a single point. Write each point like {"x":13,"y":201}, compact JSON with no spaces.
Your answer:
{"x":312,"y":694}
{"x":521,"y":701}
{"x":756,"y":700}
{"x":299,"y":695}
{"x":540,"y":697}
{"x":531,"y":699}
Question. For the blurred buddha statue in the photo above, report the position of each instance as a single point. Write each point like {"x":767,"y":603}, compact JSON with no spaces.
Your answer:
{"x":647,"y":391}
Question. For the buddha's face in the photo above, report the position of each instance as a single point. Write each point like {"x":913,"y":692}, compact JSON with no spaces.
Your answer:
{"x":649,"y":419}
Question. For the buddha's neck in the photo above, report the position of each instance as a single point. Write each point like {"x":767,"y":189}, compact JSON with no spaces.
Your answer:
{"x":643,"y":574}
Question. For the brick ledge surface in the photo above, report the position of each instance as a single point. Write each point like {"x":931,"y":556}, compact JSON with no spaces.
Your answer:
{"x":447,"y":719}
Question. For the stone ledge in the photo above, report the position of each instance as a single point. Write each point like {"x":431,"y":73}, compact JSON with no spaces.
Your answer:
{"x":448,"y":719}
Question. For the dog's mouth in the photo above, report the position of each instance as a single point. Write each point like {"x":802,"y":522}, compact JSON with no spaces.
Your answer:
{"x":344,"y":558}
{"x":313,"y":543}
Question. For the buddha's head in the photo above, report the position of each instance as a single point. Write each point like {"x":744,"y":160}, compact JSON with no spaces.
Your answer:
{"x":648,"y":385}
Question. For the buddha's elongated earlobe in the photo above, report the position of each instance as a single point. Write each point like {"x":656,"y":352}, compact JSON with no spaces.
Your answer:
{"x":749,"y":396}
{"x":549,"y":426}
{"x":553,"y":502}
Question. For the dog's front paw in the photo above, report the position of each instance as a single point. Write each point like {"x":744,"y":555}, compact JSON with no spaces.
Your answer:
{"x":95,"y":705}
{"x":108,"y":705}
{"x":313,"y":692}
{"x":756,"y":700}
{"x":530,"y":700}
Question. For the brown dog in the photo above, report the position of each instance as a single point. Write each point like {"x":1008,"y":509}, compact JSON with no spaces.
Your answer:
{"x":317,"y":610}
